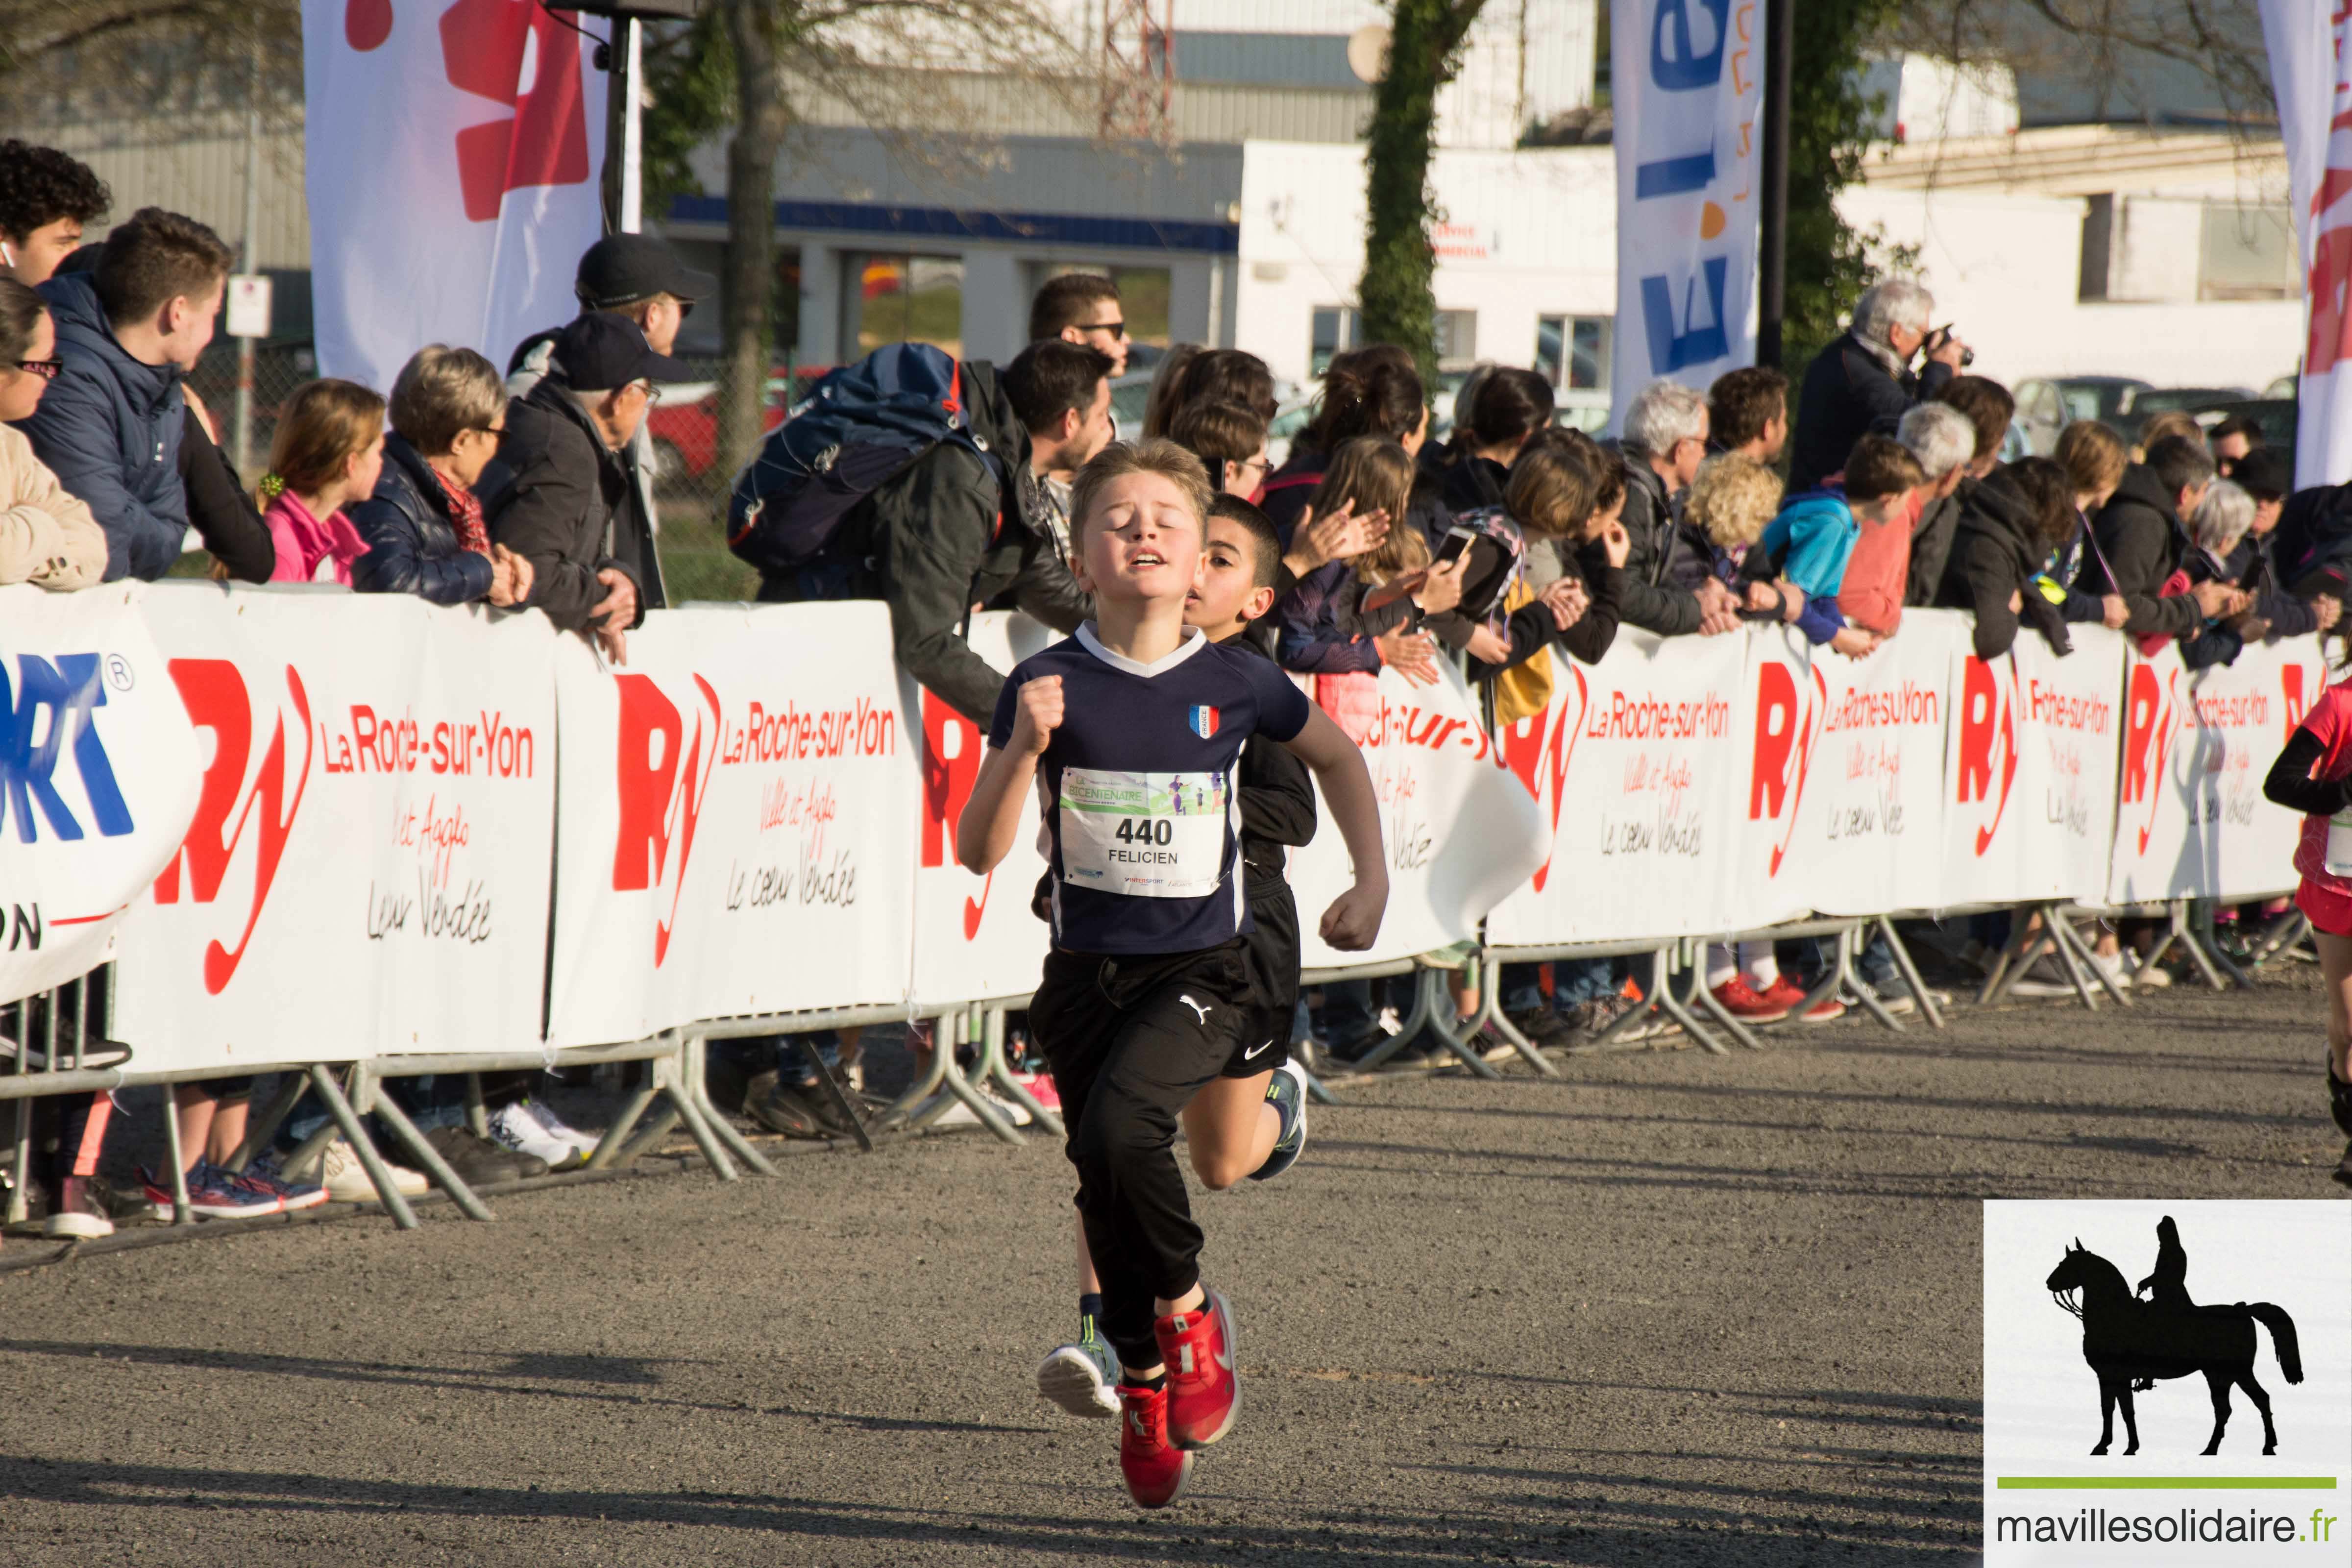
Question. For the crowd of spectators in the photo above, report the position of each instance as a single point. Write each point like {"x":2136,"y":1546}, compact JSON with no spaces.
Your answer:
{"x":532,"y":491}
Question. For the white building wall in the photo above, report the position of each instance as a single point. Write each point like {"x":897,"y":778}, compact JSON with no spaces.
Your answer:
{"x":1540,"y":239}
{"x":2006,"y":269}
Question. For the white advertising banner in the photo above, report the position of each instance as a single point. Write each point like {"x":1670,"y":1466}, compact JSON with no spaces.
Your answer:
{"x":1687,"y":76}
{"x":98,"y":777}
{"x":974,"y":940}
{"x":1844,"y":798}
{"x":734,"y":836}
{"x":1634,"y":765}
{"x":2030,"y":770}
{"x":2307,"y":43}
{"x":454,"y":152}
{"x":366,"y":871}
{"x":1460,"y":831}
{"x":2190,"y":818}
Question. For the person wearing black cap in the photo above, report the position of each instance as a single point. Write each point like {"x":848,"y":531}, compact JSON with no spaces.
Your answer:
{"x":558,"y":491}
{"x":639,"y":278}
{"x":2267,"y":476}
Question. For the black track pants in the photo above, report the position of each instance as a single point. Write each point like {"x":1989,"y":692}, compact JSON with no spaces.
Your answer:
{"x":1130,"y":1041}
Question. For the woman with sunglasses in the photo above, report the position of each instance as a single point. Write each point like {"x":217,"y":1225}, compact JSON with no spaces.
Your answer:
{"x":48,"y":537}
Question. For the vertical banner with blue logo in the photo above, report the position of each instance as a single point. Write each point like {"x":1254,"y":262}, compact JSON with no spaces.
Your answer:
{"x":1688,"y":79}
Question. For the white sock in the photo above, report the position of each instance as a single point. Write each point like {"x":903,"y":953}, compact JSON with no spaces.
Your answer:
{"x":1762,"y":969}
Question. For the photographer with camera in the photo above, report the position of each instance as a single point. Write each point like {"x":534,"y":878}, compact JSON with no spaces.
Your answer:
{"x":1863,"y":381}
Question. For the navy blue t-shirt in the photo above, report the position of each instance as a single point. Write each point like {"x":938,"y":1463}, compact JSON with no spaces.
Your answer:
{"x":1140,"y":788}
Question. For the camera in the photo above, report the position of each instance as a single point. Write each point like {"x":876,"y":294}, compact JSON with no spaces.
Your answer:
{"x":1942,"y":335}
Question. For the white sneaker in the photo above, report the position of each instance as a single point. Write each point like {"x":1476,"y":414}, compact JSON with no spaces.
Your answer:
{"x":1083,"y":1377}
{"x":555,"y":1126}
{"x":346,"y":1180}
{"x":2154,"y":976}
{"x":514,"y":1127}
{"x":957,"y":1114}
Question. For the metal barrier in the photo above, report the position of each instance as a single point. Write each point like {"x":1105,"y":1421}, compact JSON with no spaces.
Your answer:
{"x":63,"y":1048}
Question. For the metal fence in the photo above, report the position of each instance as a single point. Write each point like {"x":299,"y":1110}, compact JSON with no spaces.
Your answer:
{"x":59,"y":1043}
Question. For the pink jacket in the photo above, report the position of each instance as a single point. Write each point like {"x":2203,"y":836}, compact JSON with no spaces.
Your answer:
{"x":310,"y":550}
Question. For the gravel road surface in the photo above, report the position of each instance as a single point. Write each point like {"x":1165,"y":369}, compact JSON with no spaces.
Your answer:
{"x":1671,"y":1308}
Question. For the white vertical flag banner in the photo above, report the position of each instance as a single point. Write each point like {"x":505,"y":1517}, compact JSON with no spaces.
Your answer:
{"x":2306,"y":40}
{"x":1688,"y":77}
{"x":453,"y":152}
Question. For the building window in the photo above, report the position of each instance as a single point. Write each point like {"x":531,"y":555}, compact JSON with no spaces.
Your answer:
{"x":2247,"y":253}
{"x":1336,"y":330}
{"x":1143,"y":295}
{"x":1572,"y":352}
{"x":893,"y":298}
{"x":1457,"y":338}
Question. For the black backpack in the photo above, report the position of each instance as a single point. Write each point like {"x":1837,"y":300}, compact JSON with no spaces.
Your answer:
{"x":862,"y":426}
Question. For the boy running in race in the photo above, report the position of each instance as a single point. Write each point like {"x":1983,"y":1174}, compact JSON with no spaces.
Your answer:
{"x":1251,"y":1121}
{"x":1150,"y":987}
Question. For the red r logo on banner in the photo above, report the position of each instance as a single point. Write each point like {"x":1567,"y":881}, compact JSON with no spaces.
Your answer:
{"x":213,"y":693}
{"x":951,"y":752}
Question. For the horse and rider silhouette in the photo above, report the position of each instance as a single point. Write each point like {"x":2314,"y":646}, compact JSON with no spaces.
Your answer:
{"x":2131,"y":1344}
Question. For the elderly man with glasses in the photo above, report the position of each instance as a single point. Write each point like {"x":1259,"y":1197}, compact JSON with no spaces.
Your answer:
{"x":558,"y":493}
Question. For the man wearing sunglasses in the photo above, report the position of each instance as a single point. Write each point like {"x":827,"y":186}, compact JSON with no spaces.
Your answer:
{"x":1082,"y":308}
{"x":640,"y":278}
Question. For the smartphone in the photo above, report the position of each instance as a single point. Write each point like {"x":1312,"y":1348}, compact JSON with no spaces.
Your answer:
{"x":1458,"y":540}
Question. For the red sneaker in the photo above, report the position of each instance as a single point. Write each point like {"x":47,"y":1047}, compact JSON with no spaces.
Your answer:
{"x":1203,"y":1393}
{"x":1155,"y":1468}
{"x":1741,"y":1001}
{"x":1789,"y":994}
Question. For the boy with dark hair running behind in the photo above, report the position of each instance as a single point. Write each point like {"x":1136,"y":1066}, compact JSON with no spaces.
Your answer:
{"x":1250,"y":1119}
{"x":1150,"y":988}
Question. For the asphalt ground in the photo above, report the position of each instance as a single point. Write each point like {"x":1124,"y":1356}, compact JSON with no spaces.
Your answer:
{"x":1670,"y":1309}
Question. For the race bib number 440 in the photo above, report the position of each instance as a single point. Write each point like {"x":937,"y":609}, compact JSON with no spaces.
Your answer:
{"x":1147,"y":835}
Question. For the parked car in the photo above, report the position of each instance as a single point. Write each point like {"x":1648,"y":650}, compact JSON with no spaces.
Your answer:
{"x":2046,"y":406}
{"x":684,"y":424}
{"x":2147,"y":405}
{"x":2283,"y":386}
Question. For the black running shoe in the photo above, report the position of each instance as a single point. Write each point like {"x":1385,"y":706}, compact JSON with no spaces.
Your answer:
{"x":2339,"y":1101}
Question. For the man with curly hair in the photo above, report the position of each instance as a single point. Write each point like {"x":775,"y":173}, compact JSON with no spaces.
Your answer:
{"x":45,"y":199}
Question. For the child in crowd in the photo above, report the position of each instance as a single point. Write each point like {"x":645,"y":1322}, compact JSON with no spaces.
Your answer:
{"x":1251,"y":1121}
{"x":329,"y":450}
{"x":2012,"y":522}
{"x":422,"y":527}
{"x":1801,"y":561}
{"x":2313,"y":776}
{"x":1564,"y":489}
{"x":1369,"y":476}
{"x":1729,"y":503}
{"x":1151,"y":991}
{"x":1230,"y":441}
{"x":2092,"y":455}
